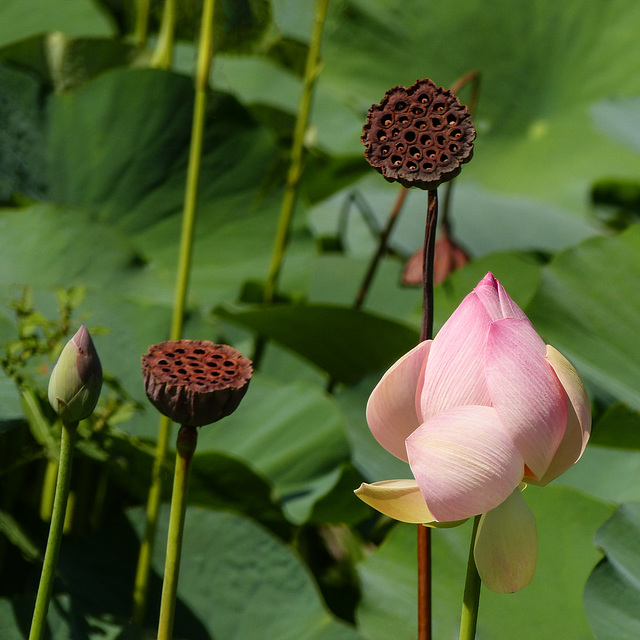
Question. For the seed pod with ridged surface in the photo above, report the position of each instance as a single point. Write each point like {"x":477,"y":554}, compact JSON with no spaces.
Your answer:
{"x":195,"y":382}
{"x":420,"y":136}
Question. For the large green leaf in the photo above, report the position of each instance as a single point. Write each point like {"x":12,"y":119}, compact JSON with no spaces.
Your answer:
{"x":10,"y":408}
{"x":620,"y":119}
{"x":239,"y":581}
{"x":346,"y":343}
{"x":484,"y":223}
{"x":119,"y":149}
{"x":588,"y":306}
{"x":67,"y":248}
{"x":134,"y":149}
{"x":64,"y":62}
{"x":22,"y":160}
{"x":224,"y":483}
{"x":604,"y":472}
{"x":566,"y":522}
{"x":536,"y":133}
{"x":9,"y":627}
{"x":236,"y":580}
{"x":292,"y":434}
{"x":618,"y":427}
{"x":218,"y":481}
{"x":612,"y":594}
{"x":373,"y":461}
{"x":20,"y":19}
{"x":544,"y":67}
{"x":271,"y":591}
{"x":123,"y":125}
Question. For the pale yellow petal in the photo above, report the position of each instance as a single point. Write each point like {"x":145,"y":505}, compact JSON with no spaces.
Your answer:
{"x":578,"y":427}
{"x":398,"y":499}
{"x":506,"y":547}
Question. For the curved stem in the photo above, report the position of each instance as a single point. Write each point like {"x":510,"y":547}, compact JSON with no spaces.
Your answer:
{"x":471,"y":598}
{"x":382,"y":248}
{"x":375,"y":261}
{"x":472,"y":77}
{"x":311,"y":73}
{"x":205,"y":51}
{"x":186,"y":446}
{"x":141,"y":585}
{"x":163,"y":55}
{"x":39,"y":620}
{"x":142,"y":21}
{"x":48,"y":490}
{"x":426,"y":333}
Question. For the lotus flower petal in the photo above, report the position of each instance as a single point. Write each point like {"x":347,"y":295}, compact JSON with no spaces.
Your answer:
{"x":391,"y":410}
{"x":454,"y":374}
{"x":398,"y":499}
{"x":506,"y":547}
{"x":575,"y":390}
{"x":525,"y":391}
{"x":465,"y":462}
{"x":496,"y":300}
{"x":578,"y":428}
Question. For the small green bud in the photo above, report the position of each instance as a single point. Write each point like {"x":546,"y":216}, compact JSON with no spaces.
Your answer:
{"x":76,"y":380}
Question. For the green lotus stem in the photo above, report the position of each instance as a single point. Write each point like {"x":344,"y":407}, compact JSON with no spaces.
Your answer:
{"x":205,"y":52}
{"x":39,"y":620}
{"x":142,"y":21}
{"x":186,"y":446}
{"x":48,"y":490}
{"x":471,"y":598}
{"x":141,"y":585}
{"x":290,"y":196}
{"x":163,"y":55}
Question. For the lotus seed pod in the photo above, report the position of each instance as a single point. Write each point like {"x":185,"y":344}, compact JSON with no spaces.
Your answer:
{"x":419,"y":136}
{"x":195,"y":382}
{"x":76,"y":379}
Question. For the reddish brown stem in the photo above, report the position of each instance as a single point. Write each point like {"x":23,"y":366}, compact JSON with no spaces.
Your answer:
{"x":426,"y":333}
{"x":424,"y":583}
{"x":382,"y":248}
{"x":426,"y":330}
{"x":472,"y":77}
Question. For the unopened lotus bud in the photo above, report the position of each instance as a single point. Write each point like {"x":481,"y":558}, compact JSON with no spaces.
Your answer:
{"x":76,"y":380}
{"x":195,"y":382}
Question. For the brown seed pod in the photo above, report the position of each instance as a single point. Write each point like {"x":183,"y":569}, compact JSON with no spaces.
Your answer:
{"x":419,"y":136}
{"x":195,"y":382}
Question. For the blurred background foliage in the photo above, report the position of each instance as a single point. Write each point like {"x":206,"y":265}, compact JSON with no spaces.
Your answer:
{"x":93,"y":154}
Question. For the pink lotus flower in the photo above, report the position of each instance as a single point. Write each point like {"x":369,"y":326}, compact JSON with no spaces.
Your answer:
{"x":483,"y":408}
